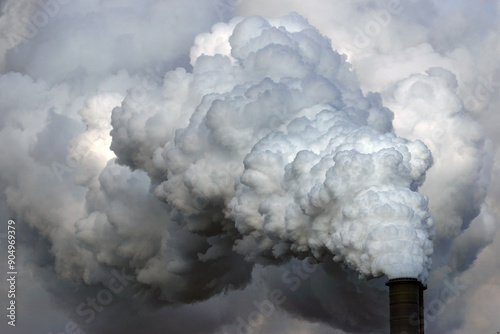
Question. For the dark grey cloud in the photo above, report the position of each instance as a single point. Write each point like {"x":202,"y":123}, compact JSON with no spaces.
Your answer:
{"x":187,"y":199}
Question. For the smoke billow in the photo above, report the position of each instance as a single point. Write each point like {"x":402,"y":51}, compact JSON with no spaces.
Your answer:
{"x":276,"y":147}
{"x":211,"y":166}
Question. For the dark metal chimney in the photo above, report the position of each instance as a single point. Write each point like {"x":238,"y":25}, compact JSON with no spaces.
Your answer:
{"x":406,"y":300}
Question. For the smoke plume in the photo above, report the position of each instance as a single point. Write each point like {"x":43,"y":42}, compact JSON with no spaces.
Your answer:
{"x":274,"y":142}
{"x":207,"y":154}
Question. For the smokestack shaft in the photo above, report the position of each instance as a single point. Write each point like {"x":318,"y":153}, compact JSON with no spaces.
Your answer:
{"x":406,"y":306}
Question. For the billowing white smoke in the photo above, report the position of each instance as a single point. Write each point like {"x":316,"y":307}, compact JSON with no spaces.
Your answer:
{"x":263,"y":149}
{"x":270,"y":142}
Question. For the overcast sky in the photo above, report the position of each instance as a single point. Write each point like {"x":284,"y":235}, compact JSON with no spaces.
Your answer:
{"x":249,"y":166}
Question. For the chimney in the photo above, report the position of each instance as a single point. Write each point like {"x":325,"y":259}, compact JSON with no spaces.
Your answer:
{"x":406,"y":302}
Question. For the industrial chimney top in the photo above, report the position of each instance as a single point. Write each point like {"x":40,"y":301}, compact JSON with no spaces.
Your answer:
{"x":406,"y":302}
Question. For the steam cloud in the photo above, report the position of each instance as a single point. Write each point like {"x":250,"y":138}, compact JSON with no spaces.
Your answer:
{"x":276,"y":147}
{"x":263,"y":147}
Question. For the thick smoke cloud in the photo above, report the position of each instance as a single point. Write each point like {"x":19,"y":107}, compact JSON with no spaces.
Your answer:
{"x":283,"y":147}
{"x":453,"y":111}
{"x":206,"y":160}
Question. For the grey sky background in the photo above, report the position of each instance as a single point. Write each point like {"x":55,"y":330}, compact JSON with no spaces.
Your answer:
{"x":93,"y":93}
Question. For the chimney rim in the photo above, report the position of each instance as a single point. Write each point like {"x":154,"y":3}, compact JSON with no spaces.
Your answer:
{"x":406,"y":280}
